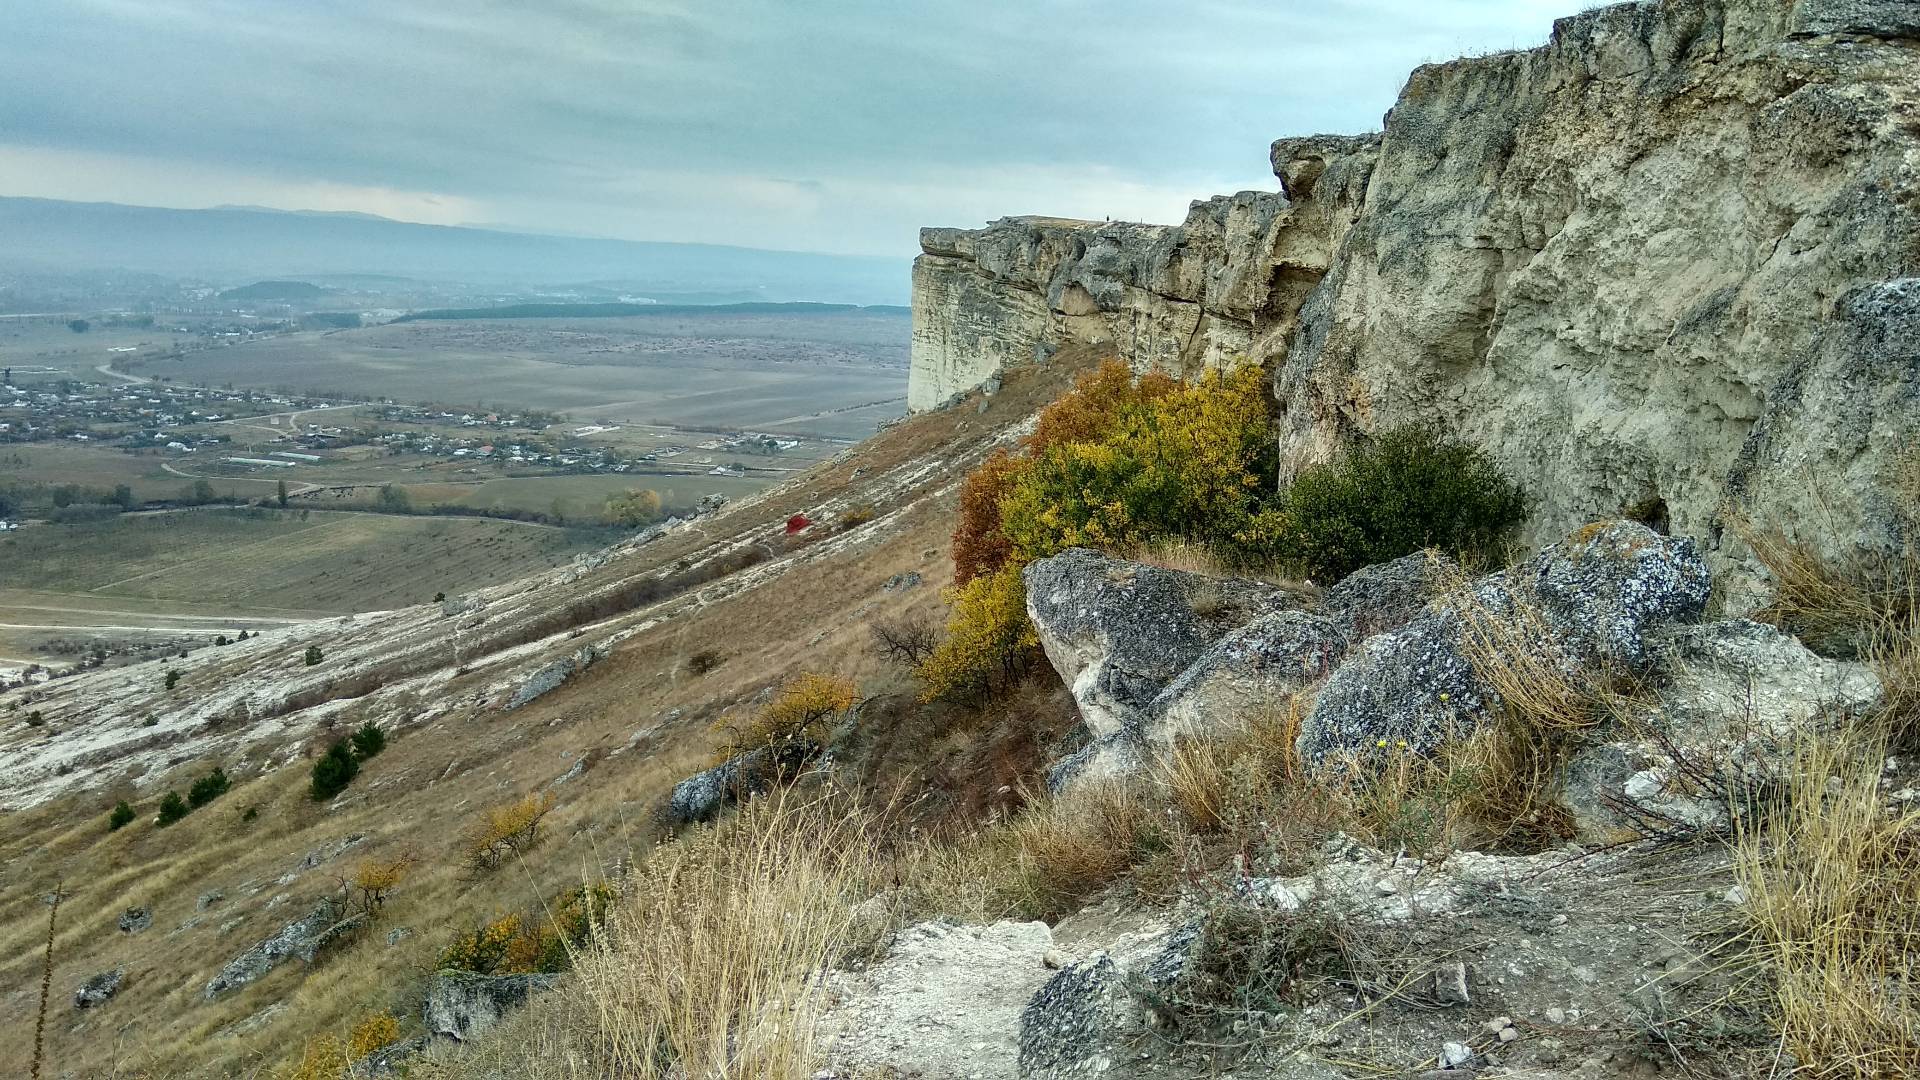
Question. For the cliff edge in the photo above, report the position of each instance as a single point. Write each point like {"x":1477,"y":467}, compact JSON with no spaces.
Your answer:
{"x":1669,"y":262}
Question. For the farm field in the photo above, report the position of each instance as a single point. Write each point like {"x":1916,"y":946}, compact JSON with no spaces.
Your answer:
{"x":211,"y":571}
{"x":834,"y":375}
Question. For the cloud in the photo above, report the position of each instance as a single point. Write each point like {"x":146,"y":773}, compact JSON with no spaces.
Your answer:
{"x":650,"y":118}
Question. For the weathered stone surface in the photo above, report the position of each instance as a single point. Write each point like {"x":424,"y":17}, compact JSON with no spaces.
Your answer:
{"x":1258,"y":666}
{"x":1585,"y":604}
{"x":304,"y":939}
{"x":134,"y":920}
{"x":1659,"y":257}
{"x":1087,"y":1017}
{"x":944,"y":1004}
{"x":460,"y":1005}
{"x":1182,"y":298}
{"x":1385,"y":596}
{"x":1112,"y":757}
{"x":99,"y":989}
{"x":1732,"y":699}
{"x":1118,"y":632}
{"x":549,"y":678}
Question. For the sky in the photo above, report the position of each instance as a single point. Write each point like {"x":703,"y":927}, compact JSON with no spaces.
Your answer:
{"x":817,"y":125}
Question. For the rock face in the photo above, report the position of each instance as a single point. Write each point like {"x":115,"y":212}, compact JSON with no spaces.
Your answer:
{"x":461,"y":1005}
{"x":1584,"y":605}
{"x":304,"y":938}
{"x":1118,"y":632}
{"x":1260,"y":665}
{"x":1671,"y":257}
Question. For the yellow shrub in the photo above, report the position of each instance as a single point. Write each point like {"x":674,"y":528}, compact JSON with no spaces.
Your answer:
{"x":989,"y":640}
{"x":324,"y":1057}
{"x":375,"y":879}
{"x":803,"y":709}
{"x":378,"y":1030}
{"x":506,"y":830}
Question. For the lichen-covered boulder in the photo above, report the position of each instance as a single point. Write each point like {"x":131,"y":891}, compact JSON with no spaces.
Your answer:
{"x":1087,"y":1017}
{"x":134,"y":920}
{"x":1386,"y":596}
{"x":1119,"y":631}
{"x":461,"y":1004}
{"x":1585,"y":605}
{"x":99,"y":989}
{"x":304,"y":939}
{"x":1258,"y":666}
{"x":549,"y":678}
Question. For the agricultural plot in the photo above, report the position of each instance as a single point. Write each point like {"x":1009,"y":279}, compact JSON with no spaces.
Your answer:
{"x":254,"y":560}
{"x":832,"y":375}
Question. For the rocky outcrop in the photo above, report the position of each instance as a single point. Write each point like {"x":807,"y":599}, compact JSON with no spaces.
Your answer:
{"x":1258,"y":666}
{"x":461,"y":1005}
{"x":134,"y":920}
{"x":703,"y":795}
{"x":304,"y":939}
{"x":1582,"y":608}
{"x":1669,"y":260}
{"x":99,"y":989}
{"x":550,"y":678}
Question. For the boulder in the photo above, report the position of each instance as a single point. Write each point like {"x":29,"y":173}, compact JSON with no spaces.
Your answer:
{"x":1586,"y":605}
{"x":1114,"y":756}
{"x":1386,"y":596}
{"x":702,"y":796}
{"x":134,"y":920}
{"x":1257,"y":666}
{"x":1119,"y":631}
{"x":99,"y":989}
{"x":1087,"y":1017}
{"x":461,"y":1004}
{"x":304,"y":939}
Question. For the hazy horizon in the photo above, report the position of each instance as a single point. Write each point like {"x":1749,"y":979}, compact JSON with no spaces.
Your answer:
{"x":752,"y":124}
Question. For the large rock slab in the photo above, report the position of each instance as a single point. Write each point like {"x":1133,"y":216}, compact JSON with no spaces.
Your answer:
{"x":303,"y":939}
{"x":460,"y":1004}
{"x":1259,"y":666}
{"x":1118,"y":632}
{"x":702,"y":796}
{"x":1586,"y":605}
{"x":99,"y":989}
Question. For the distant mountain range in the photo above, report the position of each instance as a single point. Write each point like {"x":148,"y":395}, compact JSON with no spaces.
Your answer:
{"x":241,"y":243}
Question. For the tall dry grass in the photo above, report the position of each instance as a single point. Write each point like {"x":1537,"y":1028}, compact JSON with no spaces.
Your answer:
{"x":1832,"y":883}
{"x":706,"y":966}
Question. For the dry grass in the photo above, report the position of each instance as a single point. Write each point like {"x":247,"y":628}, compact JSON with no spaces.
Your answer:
{"x":703,"y":969}
{"x":1833,"y":889}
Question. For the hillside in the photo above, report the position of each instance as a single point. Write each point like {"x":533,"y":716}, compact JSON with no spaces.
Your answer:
{"x":275,"y":290}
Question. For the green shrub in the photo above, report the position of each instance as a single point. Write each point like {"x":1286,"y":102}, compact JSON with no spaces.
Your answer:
{"x":121,"y":816}
{"x":1407,"y":489}
{"x":368,"y":741}
{"x":172,"y":809}
{"x":208,"y":788}
{"x":334,"y":771}
{"x":314,"y":655}
{"x":173,"y":679}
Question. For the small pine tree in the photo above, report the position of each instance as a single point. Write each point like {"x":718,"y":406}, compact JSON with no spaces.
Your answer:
{"x":172,"y":809}
{"x":243,"y":635}
{"x":334,"y":771}
{"x":173,"y":679}
{"x":121,"y":816}
{"x":368,"y":741}
{"x":208,"y":788}
{"x":314,"y":655}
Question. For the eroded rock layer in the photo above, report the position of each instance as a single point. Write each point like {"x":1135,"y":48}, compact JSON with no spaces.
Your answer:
{"x":1669,"y":261}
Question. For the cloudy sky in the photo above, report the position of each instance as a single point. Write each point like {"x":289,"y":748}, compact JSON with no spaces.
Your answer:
{"x":824,"y":125}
